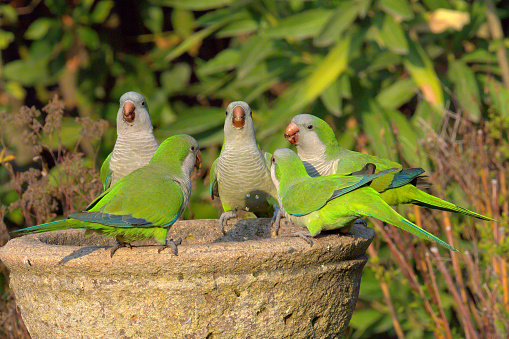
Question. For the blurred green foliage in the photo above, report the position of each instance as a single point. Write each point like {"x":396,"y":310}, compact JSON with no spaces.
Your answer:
{"x":383,"y":73}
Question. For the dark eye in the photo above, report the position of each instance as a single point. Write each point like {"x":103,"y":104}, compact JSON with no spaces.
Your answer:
{"x":143,"y":103}
{"x":310,"y":127}
{"x":272,"y":159}
{"x":226,"y":113}
{"x":192,"y":148}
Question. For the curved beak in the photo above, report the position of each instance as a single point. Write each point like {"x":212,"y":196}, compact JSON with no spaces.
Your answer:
{"x":292,"y":133}
{"x":238,"y":117}
{"x":129,"y":111}
{"x":199,"y":160}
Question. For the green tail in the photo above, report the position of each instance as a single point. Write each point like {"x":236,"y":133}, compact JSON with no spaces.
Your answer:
{"x":387,"y":214}
{"x":50,"y":226}
{"x":421,"y":198}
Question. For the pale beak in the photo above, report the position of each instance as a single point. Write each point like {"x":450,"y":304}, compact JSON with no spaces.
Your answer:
{"x":239,"y":117}
{"x":129,"y":111}
{"x":292,"y":133}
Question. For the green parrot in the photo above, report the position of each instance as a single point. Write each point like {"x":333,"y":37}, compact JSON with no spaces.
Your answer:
{"x":322,"y":155}
{"x":333,"y":201}
{"x":240,"y":176}
{"x":135,"y":143}
{"x":143,"y":204}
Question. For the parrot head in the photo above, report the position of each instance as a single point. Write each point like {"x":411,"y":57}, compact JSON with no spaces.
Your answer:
{"x":181,"y":150}
{"x":306,"y":131}
{"x":286,"y":164}
{"x":238,"y":119}
{"x":133,"y":114}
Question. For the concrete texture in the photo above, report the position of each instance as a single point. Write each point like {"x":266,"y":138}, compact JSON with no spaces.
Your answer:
{"x":241,"y":285}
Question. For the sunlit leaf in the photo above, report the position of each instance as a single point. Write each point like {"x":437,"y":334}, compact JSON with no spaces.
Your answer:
{"x":101,"y":11}
{"x":5,"y":39}
{"x":38,"y":28}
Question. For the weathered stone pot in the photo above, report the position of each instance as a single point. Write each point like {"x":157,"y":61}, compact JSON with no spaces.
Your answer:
{"x":242,"y":285}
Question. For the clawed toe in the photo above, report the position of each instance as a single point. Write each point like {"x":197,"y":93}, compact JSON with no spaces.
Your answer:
{"x":305,"y":235}
{"x":172,"y":245}
{"x":118,"y":245}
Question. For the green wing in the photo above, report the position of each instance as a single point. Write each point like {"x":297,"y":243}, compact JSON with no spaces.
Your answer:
{"x":311,"y":194}
{"x":214,"y":190}
{"x":140,"y":199}
{"x":106,"y":172}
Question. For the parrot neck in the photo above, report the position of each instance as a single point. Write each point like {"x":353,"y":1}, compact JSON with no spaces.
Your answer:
{"x":316,"y":160}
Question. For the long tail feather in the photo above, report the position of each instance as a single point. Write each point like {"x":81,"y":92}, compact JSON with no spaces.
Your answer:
{"x":387,"y":214}
{"x":424,"y":199}
{"x":50,"y":226}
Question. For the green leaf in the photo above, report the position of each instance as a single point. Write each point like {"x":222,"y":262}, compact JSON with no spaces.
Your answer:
{"x":378,"y":130}
{"x":223,"y":61}
{"x":300,"y":26}
{"x":34,"y":69}
{"x":8,"y":13}
{"x":436,"y":4}
{"x":344,"y":15}
{"x":238,"y":27}
{"x":466,"y":88}
{"x":498,"y":95}
{"x":101,"y":11}
{"x":153,"y":18}
{"x":396,"y":94}
{"x":195,"y":5}
{"x":398,"y":8}
{"x":331,"y":99}
{"x":191,"y":41}
{"x":15,"y":89}
{"x":421,"y":69}
{"x":38,"y":28}
{"x":5,"y":39}
{"x":89,"y":37}
{"x":393,"y":35}
{"x":332,"y":66}
{"x":177,"y":78}
{"x":252,"y":52}
{"x":182,"y":21}
{"x":194,"y":120}
{"x":408,"y":137}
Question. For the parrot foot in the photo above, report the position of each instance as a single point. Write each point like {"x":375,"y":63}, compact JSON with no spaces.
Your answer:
{"x":172,"y":245}
{"x":305,"y":235}
{"x":276,"y":220}
{"x":224,"y":218}
{"x":361,"y":221}
{"x":118,"y":245}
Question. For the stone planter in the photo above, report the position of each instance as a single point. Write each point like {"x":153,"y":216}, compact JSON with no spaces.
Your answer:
{"x":242,"y":285}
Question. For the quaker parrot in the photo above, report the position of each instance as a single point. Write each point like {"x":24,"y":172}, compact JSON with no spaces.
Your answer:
{"x":333,"y":201}
{"x":143,"y":204}
{"x":240,"y":176}
{"x":135,"y":143}
{"x":321,"y":154}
